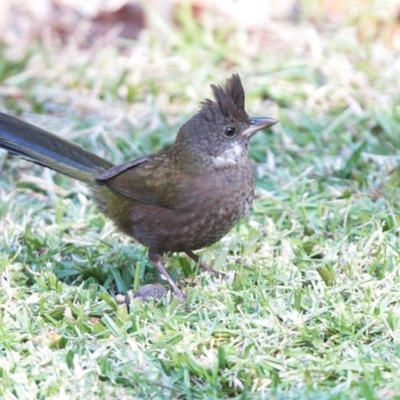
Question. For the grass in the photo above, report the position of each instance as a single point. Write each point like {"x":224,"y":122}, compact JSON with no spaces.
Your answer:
{"x":310,"y":304}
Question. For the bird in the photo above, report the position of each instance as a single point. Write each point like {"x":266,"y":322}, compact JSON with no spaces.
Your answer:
{"x":180,"y":199}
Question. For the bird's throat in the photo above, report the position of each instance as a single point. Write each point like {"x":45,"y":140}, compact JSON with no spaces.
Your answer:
{"x":233,"y":155}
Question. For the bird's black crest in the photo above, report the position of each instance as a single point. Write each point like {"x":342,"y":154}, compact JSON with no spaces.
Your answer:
{"x":229,"y":101}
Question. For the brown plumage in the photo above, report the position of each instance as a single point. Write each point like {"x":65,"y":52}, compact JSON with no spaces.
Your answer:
{"x":179,"y":200}
{"x":229,"y":102}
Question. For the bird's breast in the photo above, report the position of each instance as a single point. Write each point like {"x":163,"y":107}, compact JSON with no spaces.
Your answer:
{"x":202,"y":213}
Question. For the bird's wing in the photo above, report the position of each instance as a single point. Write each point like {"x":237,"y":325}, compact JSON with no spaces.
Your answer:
{"x":117,"y":169}
{"x":150,"y":180}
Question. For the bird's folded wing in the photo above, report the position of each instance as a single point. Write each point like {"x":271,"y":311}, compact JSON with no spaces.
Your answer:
{"x":150,"y":180}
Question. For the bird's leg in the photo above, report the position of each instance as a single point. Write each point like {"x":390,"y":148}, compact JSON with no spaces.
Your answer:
{"x":156,"y":260}
{"x":202,"y":264}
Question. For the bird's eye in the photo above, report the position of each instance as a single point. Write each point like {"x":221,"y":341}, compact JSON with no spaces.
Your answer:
{"x":230,"y":131}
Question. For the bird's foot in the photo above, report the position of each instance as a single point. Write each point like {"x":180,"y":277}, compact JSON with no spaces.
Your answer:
{"x":204,"y":265}
{"x":156,"y":258}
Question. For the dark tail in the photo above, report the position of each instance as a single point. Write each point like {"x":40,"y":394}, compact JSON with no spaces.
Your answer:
{"x":44,"y":148}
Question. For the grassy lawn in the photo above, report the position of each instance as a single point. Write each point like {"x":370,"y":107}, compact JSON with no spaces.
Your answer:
{"x":310,"y":305}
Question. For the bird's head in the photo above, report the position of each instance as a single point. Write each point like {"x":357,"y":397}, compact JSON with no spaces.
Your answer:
{"x":220,"y":132}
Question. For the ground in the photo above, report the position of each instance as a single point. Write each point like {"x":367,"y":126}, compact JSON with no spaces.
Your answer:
{"x":310,"y":303}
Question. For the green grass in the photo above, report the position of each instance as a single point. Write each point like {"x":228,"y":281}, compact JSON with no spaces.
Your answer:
{"x":309,"y":307}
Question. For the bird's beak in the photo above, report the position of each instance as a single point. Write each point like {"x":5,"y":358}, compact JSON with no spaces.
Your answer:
{"x":257,"y":124}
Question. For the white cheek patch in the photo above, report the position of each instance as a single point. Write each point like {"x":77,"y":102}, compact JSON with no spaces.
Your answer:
{"x":231,"y":156}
